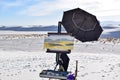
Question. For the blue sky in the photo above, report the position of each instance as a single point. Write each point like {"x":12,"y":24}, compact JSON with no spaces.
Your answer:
{"x":49,"y":12}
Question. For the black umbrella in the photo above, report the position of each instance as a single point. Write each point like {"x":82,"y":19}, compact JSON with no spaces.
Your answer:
{"x":82,"y":25}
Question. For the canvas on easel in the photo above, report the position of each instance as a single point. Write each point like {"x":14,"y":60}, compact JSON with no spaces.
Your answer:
{"x":58,"y":42}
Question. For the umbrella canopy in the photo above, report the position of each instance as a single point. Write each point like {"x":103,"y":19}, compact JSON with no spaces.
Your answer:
{"x":82,"y":25}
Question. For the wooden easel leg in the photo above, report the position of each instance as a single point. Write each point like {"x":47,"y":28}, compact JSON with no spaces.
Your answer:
{"x":76,"y":70}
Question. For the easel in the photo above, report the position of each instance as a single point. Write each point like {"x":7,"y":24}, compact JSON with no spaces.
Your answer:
{"x":62,"y":60}
{"x":59,"y":53}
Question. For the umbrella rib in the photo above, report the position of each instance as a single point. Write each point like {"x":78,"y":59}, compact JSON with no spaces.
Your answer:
{"x":74,"y":21}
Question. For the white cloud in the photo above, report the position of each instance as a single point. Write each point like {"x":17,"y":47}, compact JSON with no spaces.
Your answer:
{"x":108,"y":8}
{"x":97,"y":7}
{"x":39,"y":9}
{"x":6,"y":5}
{"x":46,"y":8}
{"x":100,"y":8}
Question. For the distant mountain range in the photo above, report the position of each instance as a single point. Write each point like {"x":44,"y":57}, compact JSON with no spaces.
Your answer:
{"x":111,"y":32}
{"x":33,"y":28}
{"x":111,"y":29}
{"x":109,"y":23}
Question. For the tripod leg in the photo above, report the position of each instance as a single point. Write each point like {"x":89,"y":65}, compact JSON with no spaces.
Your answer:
{"x":65,"y":61}
{"x":58,"y":62}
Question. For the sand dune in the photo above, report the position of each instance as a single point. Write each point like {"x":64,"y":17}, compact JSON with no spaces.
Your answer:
{"x":22,"y":57}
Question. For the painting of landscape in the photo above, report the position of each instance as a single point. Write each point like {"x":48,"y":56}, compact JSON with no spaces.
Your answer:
{"x":59,"y":42}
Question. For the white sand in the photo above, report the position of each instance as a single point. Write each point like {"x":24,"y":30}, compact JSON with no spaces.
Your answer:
{"x":22,"y":57}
